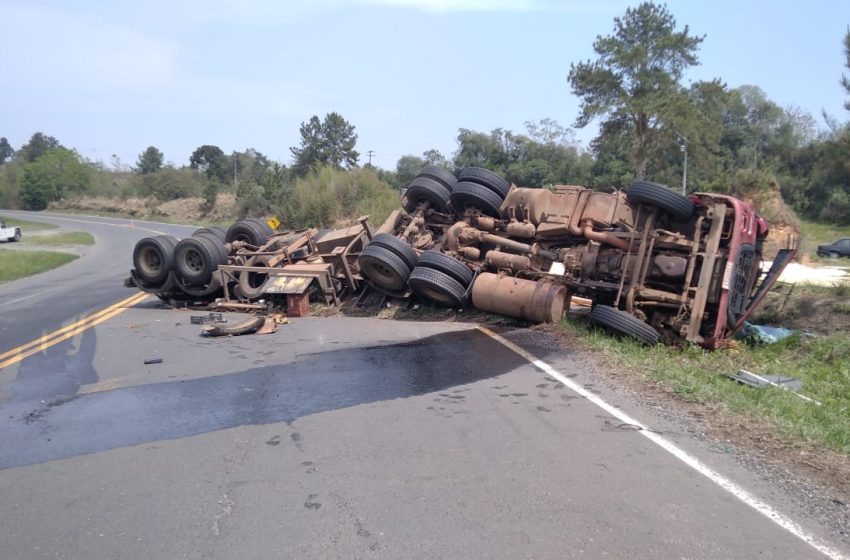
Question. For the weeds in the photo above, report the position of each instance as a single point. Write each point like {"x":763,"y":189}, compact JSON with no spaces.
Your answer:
{"x":695,"y":375}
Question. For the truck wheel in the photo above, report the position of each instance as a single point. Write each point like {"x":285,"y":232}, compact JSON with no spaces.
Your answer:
{"x":153,"y":258}
{"x":622,"y":323}
{"x":214,"y":230}
{"x":395,"y":245}
{"x":196,"y":258}
{"x":472,"y":195}
{"x":383,"y":267}
{"x":487,"y":179}
{"x":450,"y":266}
{"x":252,"y":284}
{"x":442,"y":176}
{"x":423,"y":189}
{"x":435,"y":286}
{"x":17,"y":236}
{"x":262,"y":223}
{"x":679,"y":207}
{"x":833,"y":255}
{"x":218,"y":243}
{"x":251,"y":233}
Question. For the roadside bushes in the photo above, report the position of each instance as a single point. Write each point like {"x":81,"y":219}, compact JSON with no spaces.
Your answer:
{"x":56,"y":174}
{"x":331,"y":196}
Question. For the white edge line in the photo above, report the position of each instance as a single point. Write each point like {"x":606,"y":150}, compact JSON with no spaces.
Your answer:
{"x":743,"y":495}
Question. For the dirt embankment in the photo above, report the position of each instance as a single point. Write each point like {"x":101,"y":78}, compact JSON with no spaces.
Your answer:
{"x":768,"y":202}
{"x":185,"y":210}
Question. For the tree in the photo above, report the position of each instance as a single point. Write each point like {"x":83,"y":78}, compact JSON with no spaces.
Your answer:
{"x":406,"y":169}
{"x":212,"y":162}
{"x":6,"y":151}
{"x":150,"y":161}
{"x":845,"y":81}
{"x":54,"y":175}
{"x":634,"y":84}
{"x":434,"y":157}
{"x":38,"y":145}
{"x":325,"y":142}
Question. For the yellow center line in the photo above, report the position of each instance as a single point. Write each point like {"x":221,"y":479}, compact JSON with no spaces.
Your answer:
{"x":18,"y":354}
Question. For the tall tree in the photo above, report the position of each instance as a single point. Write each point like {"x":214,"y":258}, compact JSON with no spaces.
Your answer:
{"x":212,"y":161}
{"x":845,"y":81}
{"x":325,"y":142}
{"x":38,"y":145}
{"x":150,"y":161}
{"x":634,"y":83}
{"x":6,"y":151}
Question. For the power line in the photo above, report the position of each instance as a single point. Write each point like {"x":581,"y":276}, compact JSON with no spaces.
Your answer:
{"x":370,"y":153}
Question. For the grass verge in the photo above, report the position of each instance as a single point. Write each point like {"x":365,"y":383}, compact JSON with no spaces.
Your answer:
{"x":64,"y":238}
{"x":27,"y":225}
{"x":696,"y":376}
{"x":18,"y":264}
{"x":815,"y":234}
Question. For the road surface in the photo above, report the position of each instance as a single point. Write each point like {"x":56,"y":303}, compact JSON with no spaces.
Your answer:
{"x":32,"y":307}
{"x":350,"y":438}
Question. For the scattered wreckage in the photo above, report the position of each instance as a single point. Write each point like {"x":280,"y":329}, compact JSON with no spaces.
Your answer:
{"x":657,"y":265}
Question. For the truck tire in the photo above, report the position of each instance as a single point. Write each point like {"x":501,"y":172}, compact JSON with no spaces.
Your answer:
{"x":435,"y":286}
{"x":262,"y":223}
{"x":472,"y":195}
{"x":195,"y":260}
{"x":486,"y":178}
{"x":679,"y":207}
{"x":384,"y":268}
{"x":442,"y":176}
{"x":248,"y":232}
{"x":395,"y":245}
{"x":219,"y":245}
{"x":622,"y":323}
{"x":214,"y":230}
{"x":423,"y":189}
{"x":450,"y":266}
{"x":252,"y":284}
{"x":153,"y":258}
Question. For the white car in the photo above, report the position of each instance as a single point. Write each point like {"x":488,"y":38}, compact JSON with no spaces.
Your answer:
{"x":9,"y":233}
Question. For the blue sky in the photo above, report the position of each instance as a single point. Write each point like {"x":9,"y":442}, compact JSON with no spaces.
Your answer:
{"x":113,"y":77}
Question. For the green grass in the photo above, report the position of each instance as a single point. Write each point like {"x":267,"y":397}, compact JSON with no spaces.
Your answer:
{"x":18,"y":264}
{"x":26,"y":225}
{"x":696,"y":375}
{"x":64,"y":238}
{"x":814,"y":234}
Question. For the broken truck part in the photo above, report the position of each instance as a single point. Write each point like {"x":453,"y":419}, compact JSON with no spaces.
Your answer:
{"x":656,"y":265}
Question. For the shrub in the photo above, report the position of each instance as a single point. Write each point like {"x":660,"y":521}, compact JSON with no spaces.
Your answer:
{"x":330,"y":196}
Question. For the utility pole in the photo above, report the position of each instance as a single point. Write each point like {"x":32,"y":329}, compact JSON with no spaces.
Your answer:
{"x":370,"y":153}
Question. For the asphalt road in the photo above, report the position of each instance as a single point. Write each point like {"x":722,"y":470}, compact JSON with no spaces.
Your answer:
{"x":349,"y":438}
{"x":31,"y":307}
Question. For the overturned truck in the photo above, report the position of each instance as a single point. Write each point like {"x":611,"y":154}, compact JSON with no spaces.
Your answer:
{"x":657,"y":266}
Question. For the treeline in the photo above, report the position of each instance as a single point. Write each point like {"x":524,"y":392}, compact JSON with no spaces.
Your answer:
{"x":730,"y":140}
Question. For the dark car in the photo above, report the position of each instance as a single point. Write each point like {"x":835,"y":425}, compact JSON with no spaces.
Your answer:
{"x":840,"y":248}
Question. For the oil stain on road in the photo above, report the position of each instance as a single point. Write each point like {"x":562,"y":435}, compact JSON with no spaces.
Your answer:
{"x":34,"y":431}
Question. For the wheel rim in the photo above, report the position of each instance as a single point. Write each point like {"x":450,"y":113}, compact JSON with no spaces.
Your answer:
{"x":383,"y":275}
{"x":150,"y":261}
{"x":434,"y":294}
{"x":194,"y":261}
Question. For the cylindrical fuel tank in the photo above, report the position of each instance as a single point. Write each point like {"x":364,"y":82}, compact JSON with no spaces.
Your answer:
{"x":515,"y":297}
{"x":515,"y":263}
